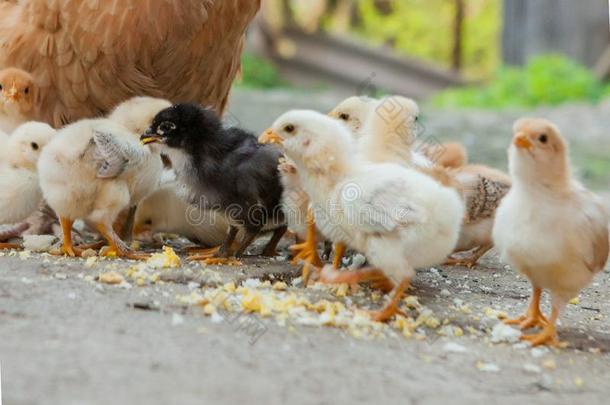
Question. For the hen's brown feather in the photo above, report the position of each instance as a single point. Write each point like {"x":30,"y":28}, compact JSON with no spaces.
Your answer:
{"x":90,"y":55}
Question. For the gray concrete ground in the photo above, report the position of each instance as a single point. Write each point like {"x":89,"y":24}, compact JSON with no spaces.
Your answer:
{"x":66,"y":338}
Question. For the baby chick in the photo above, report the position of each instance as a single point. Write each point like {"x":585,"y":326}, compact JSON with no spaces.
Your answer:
{"x":388,"y":136}
{"x":17,"y":90}
{"x":19,"y":182}
{"x":549,"y":227}
{"x":175,"y":216}
{"x":399,"y":218}
{"x":483,"y":188}
{"x":93,"y":170}
{"x":136,"y":114}
{"x":224,"y":170}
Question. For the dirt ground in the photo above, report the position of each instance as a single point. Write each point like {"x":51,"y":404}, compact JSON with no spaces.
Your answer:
{"x":67,"y":338}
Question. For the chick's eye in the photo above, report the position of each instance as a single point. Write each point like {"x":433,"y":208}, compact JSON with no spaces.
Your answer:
{"x":344,"y":116}
{"x":289,"y":128}
{"x":27,"y":90}
{"x":34,"y":146}
{"x":167,"y":126}
{"x":543,"y":138}
{"x":148,"y":222}
{"x":0,"y":87}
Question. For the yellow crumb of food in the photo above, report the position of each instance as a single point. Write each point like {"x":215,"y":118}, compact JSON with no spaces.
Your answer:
{"x":209,"y":309}
{"x":229,"y":287}
{"x":412,"y":302}
{"x":495,"y":314}
{"x":155,"y":278}
{"x":280,"y":286}
{"x":140,"y":281}
{"x":342,"y":290}
{"x":575,"y":301}
{"x":251,"y":303}
{"x":579,"y":382}
{"x":465,"y":309}
{"x":111,"y":277}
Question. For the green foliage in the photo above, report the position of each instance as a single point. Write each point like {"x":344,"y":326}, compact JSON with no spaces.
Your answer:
{"x":424,"y":28}
{"x":259,"y":73}
{"x":546,"y":80}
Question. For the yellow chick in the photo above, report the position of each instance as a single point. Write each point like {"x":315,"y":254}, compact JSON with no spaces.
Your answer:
{"x":136,"y":114}
{"x":389,"y":135}
{"x":165,"y":211}
{"x":94,"y":169}
{"x":17,"y":95}
{"x":549,"y":227}
{"x":399,"y":218}
{"x":21,"y":194}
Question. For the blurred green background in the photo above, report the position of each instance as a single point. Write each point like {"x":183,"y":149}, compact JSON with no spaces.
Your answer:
{"x":506,"y":53}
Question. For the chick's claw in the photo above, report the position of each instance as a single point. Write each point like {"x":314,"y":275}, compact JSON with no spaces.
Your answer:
{"x":548,"y":336}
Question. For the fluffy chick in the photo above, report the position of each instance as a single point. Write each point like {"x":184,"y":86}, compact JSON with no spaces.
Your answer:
{"x":225,"y":170}
{"x":205,"y":227}
{"x":21,"y":194}
{"x":92,"y":170}
{"x":399,"y":218}
{"x":136,"y":114}
{"x":17,"y":95}
{"x":549,"y":227}
{"x":388,"y":137}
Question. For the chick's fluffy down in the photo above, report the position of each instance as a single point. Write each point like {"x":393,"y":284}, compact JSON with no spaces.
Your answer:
{"x":70,"y":178}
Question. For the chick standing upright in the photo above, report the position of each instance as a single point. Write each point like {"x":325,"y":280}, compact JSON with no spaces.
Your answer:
{"x":225,"y":170}
{"x":17,"y":96}
{"x":399,"y":218}
{"x":21,"y":194}
{"x":94,"y":169}
{"x":549,"y":227}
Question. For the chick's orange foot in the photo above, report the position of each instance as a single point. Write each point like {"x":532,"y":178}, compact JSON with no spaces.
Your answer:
{"x":548,"y":336}
{"x":8,"y":246}
{"x":533,"y":317}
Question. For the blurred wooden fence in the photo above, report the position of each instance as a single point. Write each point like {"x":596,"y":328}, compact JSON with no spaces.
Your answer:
{"x":576,"y":28}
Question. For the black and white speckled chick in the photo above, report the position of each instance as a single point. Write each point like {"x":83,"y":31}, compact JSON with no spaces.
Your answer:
{"x":223,"y":169}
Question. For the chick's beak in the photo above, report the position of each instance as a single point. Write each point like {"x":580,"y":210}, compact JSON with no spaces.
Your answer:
{"x":522,"y":141}
{"x":12,"y":94}
{"x":151,"y":137}
{"x":270,"y":136}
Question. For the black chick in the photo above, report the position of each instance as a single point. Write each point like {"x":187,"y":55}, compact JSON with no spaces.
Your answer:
{"x":223,"y":169}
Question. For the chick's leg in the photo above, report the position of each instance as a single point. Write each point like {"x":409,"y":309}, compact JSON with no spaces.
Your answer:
{"x":307,"y":251}
{"x":471,"y":260}
{"x":375,"y":276}
{"x":6,"y":246}
{"x":392,"y":308}
{"x":548,"y":335}
{"x":533,"y":317}
{"x":67,"y":248}
{"x":270,"y":249}
{"x":118,"y":248}
{"x":127,"y":230}
{"x":339,"y":253}
{"x":222,"y":255}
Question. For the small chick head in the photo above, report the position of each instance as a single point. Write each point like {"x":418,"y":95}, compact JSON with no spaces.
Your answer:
{"x":538,"y":152}
{"x":16,"y":90}
{"x":182,"y":126}
{"x":315,"y":140}
{"x":394,"y":118}
{"x":354,"y":112}
{"x":26,"y":144}
{"x":137,"y":113}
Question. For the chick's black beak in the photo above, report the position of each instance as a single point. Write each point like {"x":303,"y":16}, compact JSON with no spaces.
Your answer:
{"x":151,"y":137}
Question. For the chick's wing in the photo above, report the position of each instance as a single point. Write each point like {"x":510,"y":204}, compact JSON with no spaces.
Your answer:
{"x":114,"y":155}
{"x":593,"y":238}
{"x":381,"y":207}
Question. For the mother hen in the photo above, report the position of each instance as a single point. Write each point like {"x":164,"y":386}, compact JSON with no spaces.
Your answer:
{"x":89,"y":55}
